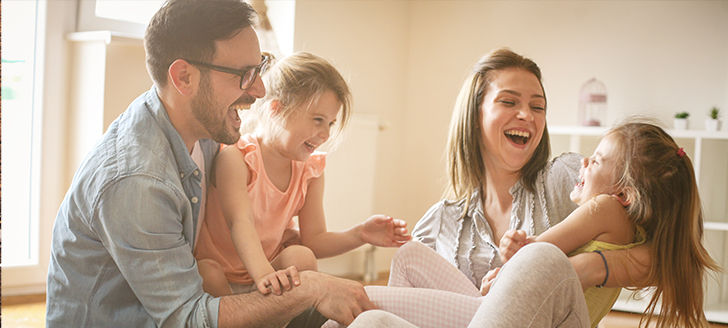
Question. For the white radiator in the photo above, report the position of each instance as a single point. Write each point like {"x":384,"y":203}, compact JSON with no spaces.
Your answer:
{"x":349,"y":189}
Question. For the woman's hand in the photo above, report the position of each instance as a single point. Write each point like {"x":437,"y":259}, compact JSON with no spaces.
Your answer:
{"x":278,"y":281}
{"x":488,"y":281}
{"x":511,"y":242}
{"x":385,"y":231}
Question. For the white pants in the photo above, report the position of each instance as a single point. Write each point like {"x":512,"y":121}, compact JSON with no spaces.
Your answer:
{"x":536,"y":288}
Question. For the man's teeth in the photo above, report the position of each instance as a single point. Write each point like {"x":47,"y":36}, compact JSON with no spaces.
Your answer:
{"x":518,"y":133}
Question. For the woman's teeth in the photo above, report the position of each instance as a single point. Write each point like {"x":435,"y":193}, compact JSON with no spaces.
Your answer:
{"x":518,"y":136}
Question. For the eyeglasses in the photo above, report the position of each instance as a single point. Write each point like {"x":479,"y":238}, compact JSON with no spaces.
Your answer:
{"x":247,"y":75}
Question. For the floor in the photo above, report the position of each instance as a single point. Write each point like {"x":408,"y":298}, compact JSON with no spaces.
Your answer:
{"x":29,"y":312}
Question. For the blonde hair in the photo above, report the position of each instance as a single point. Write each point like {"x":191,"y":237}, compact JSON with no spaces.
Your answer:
{"x":297,"y":81}
{"x":464,"y":158}
{"x":659,"y":183}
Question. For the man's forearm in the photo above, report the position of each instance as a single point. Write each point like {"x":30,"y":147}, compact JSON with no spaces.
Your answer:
{"x":257,"y":310}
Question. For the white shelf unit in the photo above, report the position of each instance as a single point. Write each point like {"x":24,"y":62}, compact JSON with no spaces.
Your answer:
{"x":709,"y":153}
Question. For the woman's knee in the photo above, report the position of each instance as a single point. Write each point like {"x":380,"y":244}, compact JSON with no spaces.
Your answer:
{"x":410,"y":250}
{"x":543,"y":257}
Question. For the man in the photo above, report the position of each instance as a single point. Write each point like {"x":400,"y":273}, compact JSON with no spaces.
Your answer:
{"x":123,"y":238}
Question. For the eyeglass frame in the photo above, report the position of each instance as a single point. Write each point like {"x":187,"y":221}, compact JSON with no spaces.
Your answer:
{"x":256,"y":69}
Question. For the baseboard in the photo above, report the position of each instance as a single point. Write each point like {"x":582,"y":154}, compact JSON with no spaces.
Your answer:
{"x":23,"y":290}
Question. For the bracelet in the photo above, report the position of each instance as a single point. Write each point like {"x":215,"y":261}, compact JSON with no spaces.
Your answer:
{"x":606,"y":267}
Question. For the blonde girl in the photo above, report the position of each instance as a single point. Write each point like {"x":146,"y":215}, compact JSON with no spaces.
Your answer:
{"x":249,"y":240}
{"x":639,"y":186}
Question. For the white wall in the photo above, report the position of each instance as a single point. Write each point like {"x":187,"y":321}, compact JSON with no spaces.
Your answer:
{"x":372,"y":57}
{"x":406,"y":61}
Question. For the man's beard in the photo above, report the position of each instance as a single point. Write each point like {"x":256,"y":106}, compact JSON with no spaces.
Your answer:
{"x":204,"y":108}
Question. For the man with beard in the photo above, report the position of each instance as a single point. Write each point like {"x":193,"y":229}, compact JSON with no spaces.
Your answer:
{"x":123,"y":237}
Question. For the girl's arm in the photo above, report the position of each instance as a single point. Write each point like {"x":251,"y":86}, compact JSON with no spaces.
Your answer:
{"x":601,"y":218}
{"x":379,"y":230}
{"x":627,"y":267}
{"x":232,"y":179}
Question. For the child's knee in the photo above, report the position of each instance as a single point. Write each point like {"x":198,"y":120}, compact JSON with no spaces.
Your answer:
{"x":207,"y":265}
{"x":299,"y":256}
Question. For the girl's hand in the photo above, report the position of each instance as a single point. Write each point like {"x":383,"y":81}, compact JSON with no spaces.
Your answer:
{"x":511,"y":242}
{"x":278,"y":281}
{"x":488,"y":281}
{"x":382,"y":230}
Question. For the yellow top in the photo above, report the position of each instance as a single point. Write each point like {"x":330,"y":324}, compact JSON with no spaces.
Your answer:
{"x":600,"y":300}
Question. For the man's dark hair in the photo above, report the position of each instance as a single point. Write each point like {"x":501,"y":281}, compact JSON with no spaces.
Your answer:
{"x":189,"y":29}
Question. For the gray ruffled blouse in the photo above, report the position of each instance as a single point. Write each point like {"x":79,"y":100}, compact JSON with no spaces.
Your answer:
{"x":468,"y":242}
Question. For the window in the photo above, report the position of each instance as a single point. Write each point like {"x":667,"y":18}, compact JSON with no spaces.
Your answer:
{"x":22,"y":49}
{"x":124,"y":16}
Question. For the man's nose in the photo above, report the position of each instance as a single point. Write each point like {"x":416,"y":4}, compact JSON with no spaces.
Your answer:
{"x":257,"y":89}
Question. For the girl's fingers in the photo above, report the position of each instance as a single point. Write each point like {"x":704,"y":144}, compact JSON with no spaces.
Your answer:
{"x":283,"y":280}
{"x":275,"y":286}
{"x":263,"y":287}
{"x":295,"y":278}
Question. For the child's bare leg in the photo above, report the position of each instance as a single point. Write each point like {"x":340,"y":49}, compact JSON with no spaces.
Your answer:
{"x":295,"y":255}
{"x":416,"y":265}
{"x":213,"y":278}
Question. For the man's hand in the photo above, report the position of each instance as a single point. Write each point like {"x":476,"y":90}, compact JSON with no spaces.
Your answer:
{"x":511,"y":242}
{"x":337,"y":299}
{"x":384,"y":231}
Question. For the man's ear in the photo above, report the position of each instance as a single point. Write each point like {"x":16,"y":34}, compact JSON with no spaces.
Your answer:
{"x":183,"y":77}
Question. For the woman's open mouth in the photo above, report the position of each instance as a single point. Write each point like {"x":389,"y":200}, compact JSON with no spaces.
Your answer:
{"x":518,"y":137}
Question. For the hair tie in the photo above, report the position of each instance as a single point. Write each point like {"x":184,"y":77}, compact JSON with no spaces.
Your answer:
{"x":680,"y":152}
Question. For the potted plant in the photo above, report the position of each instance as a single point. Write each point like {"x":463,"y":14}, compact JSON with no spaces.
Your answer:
{"x":712,"y":123}
{"x":681,"y":120}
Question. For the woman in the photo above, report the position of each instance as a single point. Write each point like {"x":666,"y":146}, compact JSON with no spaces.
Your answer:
{"x":501,"y":179}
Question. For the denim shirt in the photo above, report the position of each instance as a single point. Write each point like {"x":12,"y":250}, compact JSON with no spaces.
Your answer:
{"x":468,"y":243}
{"x":121,"y":253}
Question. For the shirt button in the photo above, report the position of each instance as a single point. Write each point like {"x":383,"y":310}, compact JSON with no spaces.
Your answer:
{"x":196,"y":172}
{"x":194,"y":200}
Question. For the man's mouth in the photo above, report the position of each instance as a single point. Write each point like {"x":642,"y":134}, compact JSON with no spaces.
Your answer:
{"x":518,"y":137}
{"x":240,"y":107}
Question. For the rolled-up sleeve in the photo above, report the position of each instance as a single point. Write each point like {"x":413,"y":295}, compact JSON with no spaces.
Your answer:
{"x":151,"y":244}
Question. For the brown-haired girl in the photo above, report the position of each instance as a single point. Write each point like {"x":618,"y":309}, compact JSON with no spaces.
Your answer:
{"x":638,"y":186}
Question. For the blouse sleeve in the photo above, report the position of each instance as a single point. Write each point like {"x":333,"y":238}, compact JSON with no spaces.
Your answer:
{"x":560,"y":180}
{"x":315,"y":165}
{"x":251,"y":157}
{"x":427,"y":229}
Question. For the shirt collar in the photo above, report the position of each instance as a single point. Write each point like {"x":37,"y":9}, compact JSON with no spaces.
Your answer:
{"x":185,"y":164}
